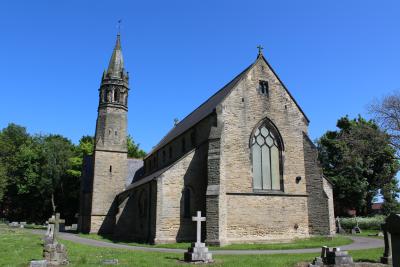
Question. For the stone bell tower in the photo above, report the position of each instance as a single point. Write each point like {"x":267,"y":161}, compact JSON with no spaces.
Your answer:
{"x":110,"y":166}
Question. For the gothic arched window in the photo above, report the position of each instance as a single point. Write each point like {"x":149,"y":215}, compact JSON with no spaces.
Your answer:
{"x":266,"y":151}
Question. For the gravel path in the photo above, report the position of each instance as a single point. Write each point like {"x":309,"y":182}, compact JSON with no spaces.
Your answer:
{"x":358,"y":244}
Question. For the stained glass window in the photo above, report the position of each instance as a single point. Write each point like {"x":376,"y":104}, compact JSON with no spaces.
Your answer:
{"x":266,"y":159}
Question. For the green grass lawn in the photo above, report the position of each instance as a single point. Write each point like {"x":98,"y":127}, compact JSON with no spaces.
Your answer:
{"x":370,"y":233}
{"x":18,"y":247}
{"x":313,"y":242}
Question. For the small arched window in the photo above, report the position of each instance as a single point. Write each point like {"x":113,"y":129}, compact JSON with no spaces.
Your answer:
{"x":266,"y":150}
{"x":116,"y":96}
{"x":186,"y":202}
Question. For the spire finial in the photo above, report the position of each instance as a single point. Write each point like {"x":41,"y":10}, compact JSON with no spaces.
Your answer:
{"x":260,"y":48}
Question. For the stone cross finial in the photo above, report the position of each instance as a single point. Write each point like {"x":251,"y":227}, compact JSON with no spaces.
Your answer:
{"x":56,"y":221}
{"x":198,"y":219}
{"x":260,"y":48}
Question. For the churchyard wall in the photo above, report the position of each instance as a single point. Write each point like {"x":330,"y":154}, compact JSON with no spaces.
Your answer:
{"x":258,"y":216}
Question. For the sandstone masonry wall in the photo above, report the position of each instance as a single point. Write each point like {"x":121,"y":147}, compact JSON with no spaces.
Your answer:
{"x":318,"y":202}
{"x":106,"y":185}
{"x":190,"y":171}
{"x":271,"y":217}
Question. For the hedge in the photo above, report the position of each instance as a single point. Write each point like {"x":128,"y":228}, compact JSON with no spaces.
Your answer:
{"x":365,"y":223}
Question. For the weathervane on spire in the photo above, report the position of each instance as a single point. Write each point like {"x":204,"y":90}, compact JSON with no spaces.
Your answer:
{"x":260,"y":48}
{"x":119,"y":26}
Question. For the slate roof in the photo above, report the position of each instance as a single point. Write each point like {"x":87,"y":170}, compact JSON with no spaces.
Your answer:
{"x":135,"y":170}
{"x":210,"y":104}
{"x":199,"y":113}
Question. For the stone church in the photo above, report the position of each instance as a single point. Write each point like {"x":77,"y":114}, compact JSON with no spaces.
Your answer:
{"x":243,"y":158}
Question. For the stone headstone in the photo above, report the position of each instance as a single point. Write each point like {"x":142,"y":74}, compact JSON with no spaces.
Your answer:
{"x":339,"y":228}
{"x":74,"y":227}
{"x":22,"y":224}
{"x":14,"y":224}
{"x":333,"y":258}
{"x":55,"y":254}
{"x":110,"y":262}
{"x":38,"y":263}
{"x":198,"y":252}
{"x":391,"y":231}
{"x":56,"y":221}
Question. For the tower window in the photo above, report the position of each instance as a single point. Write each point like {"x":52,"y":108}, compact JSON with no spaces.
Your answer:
{"x":263,"y":87}
{"x":116,"y":96}
{"x":110,"y":168}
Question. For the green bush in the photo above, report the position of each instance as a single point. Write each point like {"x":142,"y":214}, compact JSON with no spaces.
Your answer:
{"x":365,"y":223}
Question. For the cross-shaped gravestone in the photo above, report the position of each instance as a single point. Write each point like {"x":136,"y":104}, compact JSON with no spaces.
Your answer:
{"x":199,"y":219}
{"x":50,"y":227}
{"x":56,"y":221}
{"x":198,"y":251}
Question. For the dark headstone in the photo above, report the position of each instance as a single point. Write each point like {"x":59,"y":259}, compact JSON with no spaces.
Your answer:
{"x":333,"y":258}
{"x":391,"y":230}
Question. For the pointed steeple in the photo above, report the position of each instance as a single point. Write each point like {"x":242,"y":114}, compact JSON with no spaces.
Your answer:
{"x":116,"y":65}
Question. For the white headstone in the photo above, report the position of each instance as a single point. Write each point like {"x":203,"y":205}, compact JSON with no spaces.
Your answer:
{"x":198,"y":219}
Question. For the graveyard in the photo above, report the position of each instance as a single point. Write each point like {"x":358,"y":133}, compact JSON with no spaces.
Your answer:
{"x":35,"y":246}
{"x":211,"y":133}
{"x":19,"y":246}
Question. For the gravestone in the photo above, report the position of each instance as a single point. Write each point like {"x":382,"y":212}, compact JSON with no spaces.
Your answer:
{"x":198,"y":252}
{"x":391,"y":231}
{"x":339,"y":228}
{"x":110,"y":262}
{"x":74,"y":227}
{"x":14,"y":224}
{"x":49,"y":236}
{"x":356,"y":229}
{"x":38,"y":263}
{"x":22,"y":224}
{"x":55,"y":253}
{"x":333,"y":258}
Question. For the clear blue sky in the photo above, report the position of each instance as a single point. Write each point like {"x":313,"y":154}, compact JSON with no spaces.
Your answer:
{"x":334,"y":56}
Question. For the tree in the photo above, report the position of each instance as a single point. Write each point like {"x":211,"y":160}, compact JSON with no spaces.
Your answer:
{"x":134,"y":150}
{"x":360,"y":160}
{"x":386,"y":113}
{"x":56,"y":154}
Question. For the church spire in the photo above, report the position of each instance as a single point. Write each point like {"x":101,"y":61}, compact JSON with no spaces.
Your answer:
{"x":116,"y":65}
